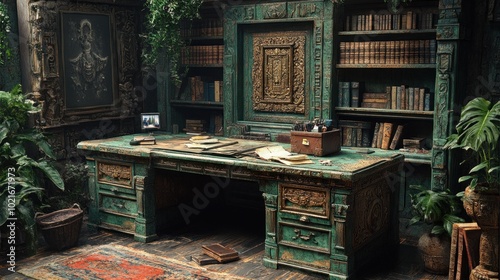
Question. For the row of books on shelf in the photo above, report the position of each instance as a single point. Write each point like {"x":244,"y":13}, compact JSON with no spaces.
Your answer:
{"x":410,"y":20}
{"x":203,"y":54}
{"x":209,"y":27}
{"x":383,"y":135}
{"x":205,"y":90}
{"x":388,"y":52}
{"x":199,"y":126}
{"x":352,"y":94}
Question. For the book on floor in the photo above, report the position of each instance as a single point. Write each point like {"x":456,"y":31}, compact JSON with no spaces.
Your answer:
{"x":221,"y":253}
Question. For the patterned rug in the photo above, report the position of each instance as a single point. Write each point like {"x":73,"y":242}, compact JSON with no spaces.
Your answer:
{"x":118,"y":262}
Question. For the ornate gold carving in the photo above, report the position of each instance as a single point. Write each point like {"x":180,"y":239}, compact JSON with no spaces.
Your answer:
{"x":114,"y":173}
{"x":279,"y":72}
{"x":305,"y":199}
{"x":372,"y":212}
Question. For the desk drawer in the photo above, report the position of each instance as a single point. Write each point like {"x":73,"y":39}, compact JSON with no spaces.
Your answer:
{"x":115,"y":175}
{"x":304,"y":203}
{"x":304,"y":259}
{"x":117,"y":222}
{"x":305,"y":237}
{"x":116,"y":190}
{"x":118,"y":204}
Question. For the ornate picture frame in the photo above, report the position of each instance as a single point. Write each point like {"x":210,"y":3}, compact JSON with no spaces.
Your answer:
{"x":88,"y":62}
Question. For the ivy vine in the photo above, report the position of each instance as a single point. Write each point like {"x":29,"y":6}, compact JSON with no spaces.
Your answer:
{"x":163,"y":37}
{"x":5,"y":51}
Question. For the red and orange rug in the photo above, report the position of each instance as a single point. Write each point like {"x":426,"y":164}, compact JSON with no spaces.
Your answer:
{"x":118,"y":262}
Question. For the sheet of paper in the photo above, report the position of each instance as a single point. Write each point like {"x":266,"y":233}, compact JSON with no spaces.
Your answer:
{"x":278,"y":153}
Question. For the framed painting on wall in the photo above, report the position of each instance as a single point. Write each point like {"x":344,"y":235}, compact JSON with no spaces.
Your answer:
{"x":88,"y":61}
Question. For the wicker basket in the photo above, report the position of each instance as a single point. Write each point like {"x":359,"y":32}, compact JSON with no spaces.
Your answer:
{"x":61,"y":229}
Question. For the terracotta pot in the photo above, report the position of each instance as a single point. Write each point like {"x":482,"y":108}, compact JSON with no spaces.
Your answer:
{"x":435,"y":252}
{"x":484,"y":209}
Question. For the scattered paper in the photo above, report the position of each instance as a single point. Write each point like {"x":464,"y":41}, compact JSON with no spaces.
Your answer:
{"x":278,"y":153}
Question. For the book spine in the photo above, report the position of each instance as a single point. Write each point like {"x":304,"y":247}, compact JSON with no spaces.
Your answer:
{"x":340,"y":98}
{"x":411,"y":98}
{"x":375,"y":135}
{"x":421,"y":99}
{"x":394,"y":97}
{"x":355,"y":88}
{"x":346,"y":94}
{"x":403,"y":97}
{"x":387,"y":133}
{"x":380,"y":135}
{"x":398,"y":97}
{"x":396,"y":139}
{"x":416,"y":99}
{"x":388,"y":103}
{"x":427,"y":101}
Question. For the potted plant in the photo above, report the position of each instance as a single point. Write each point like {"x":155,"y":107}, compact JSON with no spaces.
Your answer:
{"x":26,"y":162}
{"x":478,"y":131}
{"x":438,"y":210}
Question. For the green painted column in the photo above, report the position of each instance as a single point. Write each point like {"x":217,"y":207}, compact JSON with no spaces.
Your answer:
{"x":449,"y":34}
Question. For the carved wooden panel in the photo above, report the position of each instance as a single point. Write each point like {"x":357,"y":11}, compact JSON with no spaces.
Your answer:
{"x":46,"y":57}
{"x":372,"y":213}
{"x":309,"y":200}
{"x":115,"y":174}
{"x":279,"y":72}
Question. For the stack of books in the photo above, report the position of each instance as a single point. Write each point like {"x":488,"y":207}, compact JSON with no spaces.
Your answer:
{"x":216,"y":253}
{"x":195,"y":126}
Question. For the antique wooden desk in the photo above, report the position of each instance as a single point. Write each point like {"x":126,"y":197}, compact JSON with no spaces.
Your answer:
{"x":330,"y":219}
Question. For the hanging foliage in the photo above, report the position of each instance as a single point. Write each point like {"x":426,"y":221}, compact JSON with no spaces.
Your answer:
{"x":5,"y":51}
{"x":163,"y":37}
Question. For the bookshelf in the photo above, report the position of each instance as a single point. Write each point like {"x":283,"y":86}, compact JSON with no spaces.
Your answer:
{"x":197,"y":105}
{"x":380,"y":55}
{"x":385,"y":71}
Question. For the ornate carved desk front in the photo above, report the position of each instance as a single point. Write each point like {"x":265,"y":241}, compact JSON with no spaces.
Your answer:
{"x":330,"y":219}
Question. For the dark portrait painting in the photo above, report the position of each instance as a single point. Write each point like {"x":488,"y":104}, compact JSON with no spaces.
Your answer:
{"x":87,"y":60}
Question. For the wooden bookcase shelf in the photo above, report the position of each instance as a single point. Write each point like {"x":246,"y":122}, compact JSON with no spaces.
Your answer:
{"x":388,"y":32}
{"x":382,"y":66}
{"x":211,"y":105}
{"x":386,"y":113}
{"x":197,"y":106}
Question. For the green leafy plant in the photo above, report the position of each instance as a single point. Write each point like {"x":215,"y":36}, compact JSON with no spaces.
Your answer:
{"x":163,"y":37}
{"x":478,"y":131}
{"x":26,"y":162}
{"x":5,"y":50}
{"x":74,"y":175}
{"x":437,"y":208}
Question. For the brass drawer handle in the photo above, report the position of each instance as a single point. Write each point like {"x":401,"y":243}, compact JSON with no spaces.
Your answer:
{"x":304,"y":219}
{"x":118,"y":205}
{"x":307,"y":237}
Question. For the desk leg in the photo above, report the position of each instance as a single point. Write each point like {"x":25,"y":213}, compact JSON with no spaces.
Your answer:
{"x":93,"y":219}
{"x":271,"y":246}
{"x":145,"y":223}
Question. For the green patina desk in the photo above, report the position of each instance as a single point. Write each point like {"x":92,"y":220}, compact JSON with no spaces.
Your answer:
{"x":329,"y":219}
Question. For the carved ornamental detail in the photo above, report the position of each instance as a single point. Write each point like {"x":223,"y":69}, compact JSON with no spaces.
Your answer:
{"x":305,"y":200}
{"x":46,"y":44}
{"x":372,"y":213}
{"x":279,"y":72}
{"x":114,"y":173}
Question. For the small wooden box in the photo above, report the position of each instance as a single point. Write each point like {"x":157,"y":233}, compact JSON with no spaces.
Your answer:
{"x":315,"y":143}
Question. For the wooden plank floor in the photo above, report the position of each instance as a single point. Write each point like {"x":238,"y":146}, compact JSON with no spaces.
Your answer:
{"x":245,"y":234}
